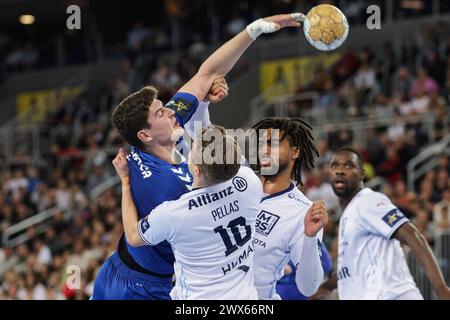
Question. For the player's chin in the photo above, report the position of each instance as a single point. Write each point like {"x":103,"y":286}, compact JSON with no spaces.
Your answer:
{"x":340,"y":191}
{"x":177,"y":133}
{"x":269,"y":170}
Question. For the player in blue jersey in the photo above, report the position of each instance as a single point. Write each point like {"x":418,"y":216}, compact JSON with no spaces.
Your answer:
{"x":155,"y":174}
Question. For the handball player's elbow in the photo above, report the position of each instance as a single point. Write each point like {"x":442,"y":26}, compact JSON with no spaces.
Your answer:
{"x":134,"y":240}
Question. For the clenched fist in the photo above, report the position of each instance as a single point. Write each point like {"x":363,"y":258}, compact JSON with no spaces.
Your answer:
{"x":316,"y":218}
{"x":120,"y":164}
{"x":218,"y":91}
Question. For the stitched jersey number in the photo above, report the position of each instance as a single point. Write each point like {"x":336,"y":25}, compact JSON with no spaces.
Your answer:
{"x":234,"y":228}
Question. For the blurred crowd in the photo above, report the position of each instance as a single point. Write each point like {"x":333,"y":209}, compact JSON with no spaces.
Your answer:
{"x":30,"y":48}
{"x":373,"y":85}
{"x":80,"y":143}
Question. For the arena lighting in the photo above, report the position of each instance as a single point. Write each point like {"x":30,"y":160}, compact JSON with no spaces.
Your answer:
{"x":412,"y":4}
{"x":27,"y":19}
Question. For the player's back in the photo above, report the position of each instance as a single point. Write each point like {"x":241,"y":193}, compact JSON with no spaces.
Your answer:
{"x":212,"y":239}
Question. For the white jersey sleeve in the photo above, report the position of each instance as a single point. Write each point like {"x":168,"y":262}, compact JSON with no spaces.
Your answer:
{"x":201,"y":117}
{"x":305,"y":254}
{"x":380,"y":216}
{"x":157,"y":226}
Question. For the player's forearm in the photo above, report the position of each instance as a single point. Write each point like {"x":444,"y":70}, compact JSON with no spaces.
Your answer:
{"x":331,"y":283}
{"x":309,"y":272}
{"x":426,"y":259}
{"x":129,"y":214}
{"x":224,"y":58}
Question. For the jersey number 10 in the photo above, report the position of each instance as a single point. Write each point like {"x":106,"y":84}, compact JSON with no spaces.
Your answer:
{"x":234,"y":227}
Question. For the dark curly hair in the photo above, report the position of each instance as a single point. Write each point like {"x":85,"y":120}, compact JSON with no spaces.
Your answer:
{"x":299,"y":134}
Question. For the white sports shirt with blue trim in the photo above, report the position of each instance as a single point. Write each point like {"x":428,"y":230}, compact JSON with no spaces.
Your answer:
{"x":372,"y":265}
{"x":211,"y":231}
{"x":279,"y":237}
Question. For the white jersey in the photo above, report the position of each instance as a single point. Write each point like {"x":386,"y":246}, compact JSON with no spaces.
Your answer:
{"x":279,"y":237}
{"x":371,"y":265}
{"x":210,"y":230}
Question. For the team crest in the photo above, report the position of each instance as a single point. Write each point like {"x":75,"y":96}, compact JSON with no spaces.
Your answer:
{"x":392,"y":217}
{"x":144,"y":225}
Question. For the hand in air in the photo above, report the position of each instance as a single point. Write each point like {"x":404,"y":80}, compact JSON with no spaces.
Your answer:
{"x":218,"y":91}
{"x":120,"y":164}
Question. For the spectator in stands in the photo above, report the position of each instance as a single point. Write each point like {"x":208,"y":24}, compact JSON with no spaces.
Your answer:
{"x":402,"y":83}
{"x":441,"y":213}
{"x":435,"y":67}
{"x":424,"y":85}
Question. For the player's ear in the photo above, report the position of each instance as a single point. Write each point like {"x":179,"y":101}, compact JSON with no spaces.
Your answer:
{"x":363,"y":174}
{"x":296,"y":153}
{"x":197,"y":171}
{"x":144,"y":135}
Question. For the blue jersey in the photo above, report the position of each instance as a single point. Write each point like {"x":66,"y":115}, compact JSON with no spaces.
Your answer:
{"x":154,"y":181}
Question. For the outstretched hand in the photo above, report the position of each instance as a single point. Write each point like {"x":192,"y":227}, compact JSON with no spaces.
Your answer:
{"x":286,"y":20}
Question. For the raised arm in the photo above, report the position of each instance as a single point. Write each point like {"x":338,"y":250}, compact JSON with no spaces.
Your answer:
{"x":310,"y":272}
{"x":152,"y":229}
{"x":409,"y":235}
{"x":129,"y":212}
{"x":224,"y":58}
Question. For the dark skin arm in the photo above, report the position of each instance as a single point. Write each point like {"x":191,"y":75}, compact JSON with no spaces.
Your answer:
{"x":325,"y":288}
{"x":409,"y":235}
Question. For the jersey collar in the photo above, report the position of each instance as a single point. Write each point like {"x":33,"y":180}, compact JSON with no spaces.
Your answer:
{"x":150,"y":157}
{"x":290,"y":188}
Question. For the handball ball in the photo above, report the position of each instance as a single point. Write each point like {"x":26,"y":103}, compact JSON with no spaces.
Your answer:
{"x":326,"y":27}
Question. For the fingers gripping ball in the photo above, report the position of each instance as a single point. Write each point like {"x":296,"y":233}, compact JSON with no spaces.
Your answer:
{"x":326,"y":27}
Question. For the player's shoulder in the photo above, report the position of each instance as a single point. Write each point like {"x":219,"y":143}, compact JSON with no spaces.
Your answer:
{"x":152,"y":167}
{"x":299,"y":197}
{"x":246,"y":172}
{"x":374,"y":199}
{"x":291,"y":197}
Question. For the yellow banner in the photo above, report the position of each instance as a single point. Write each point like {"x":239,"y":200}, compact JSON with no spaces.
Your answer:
{"x":32,"y":107}
{"x":286,"y":75}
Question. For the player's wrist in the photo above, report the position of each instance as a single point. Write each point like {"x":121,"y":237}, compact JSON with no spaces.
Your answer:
{"x":260,"y":26}
{"x":442,"y":289}
{"x":310,"y":236}
{"x":125,"y":180}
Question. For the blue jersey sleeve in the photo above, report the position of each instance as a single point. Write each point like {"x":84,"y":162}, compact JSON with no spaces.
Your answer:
{"x":184,"y":104}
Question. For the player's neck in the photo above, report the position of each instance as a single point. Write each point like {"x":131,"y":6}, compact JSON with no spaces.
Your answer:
{"x":199,"y":183}
{"x":166,"y":153}
{"x":345,"y":201}
{"x":274,"y":184}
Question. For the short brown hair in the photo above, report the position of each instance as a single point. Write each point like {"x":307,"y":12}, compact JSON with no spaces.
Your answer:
{"x":131,"y":115}
{"x":216,"y":138}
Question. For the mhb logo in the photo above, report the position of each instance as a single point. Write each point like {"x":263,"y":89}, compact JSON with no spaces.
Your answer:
{"x":265,"y":222}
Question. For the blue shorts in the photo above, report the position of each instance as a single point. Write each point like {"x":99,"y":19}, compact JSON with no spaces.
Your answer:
{"x":115,"y":281}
